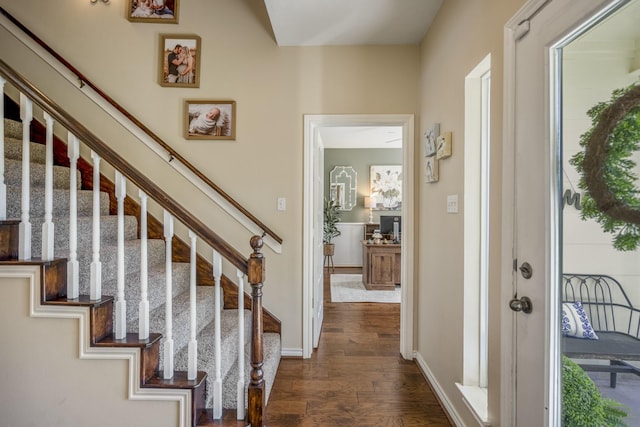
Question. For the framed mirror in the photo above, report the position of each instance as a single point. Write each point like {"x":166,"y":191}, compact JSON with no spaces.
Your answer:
{"x":343,"y":186}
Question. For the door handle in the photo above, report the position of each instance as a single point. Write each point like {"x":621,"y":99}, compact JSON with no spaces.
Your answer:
{"x":523,"y":304}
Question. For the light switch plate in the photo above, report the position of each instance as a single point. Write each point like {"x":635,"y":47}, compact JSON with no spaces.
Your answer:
{"x":452,"y":203}
{"x":282,"y":204}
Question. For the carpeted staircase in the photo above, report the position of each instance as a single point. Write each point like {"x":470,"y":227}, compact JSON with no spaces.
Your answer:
{"x":156,"y":273}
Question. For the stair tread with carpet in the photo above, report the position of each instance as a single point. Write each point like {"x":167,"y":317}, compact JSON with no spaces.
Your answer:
{"x":60,"y":206}
{"x":132,"y":259}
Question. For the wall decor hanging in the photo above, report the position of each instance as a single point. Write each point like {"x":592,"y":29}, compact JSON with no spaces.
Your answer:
{"x":179,"y":60}
{"x":210,"y":119}
{"x":431,"y":169}
{"x":154,"y":11}
{"x":430,"y":137}
{"x":386,"y":187}
{"x":606,"y":164}
{"x":343,"y":187}
{"x":443,"y":146}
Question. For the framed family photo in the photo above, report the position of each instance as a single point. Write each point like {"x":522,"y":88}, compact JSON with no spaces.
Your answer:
{"x":179,"y":60}
{"x":210,"y":119}
{"x":154,"y":11}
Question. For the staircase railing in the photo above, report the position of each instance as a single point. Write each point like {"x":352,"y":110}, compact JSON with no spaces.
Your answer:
{"x":171,"y":155}
{"x":252,"y":268}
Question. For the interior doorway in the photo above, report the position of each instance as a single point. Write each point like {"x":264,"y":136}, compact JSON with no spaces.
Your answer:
{"x":312,"y":224}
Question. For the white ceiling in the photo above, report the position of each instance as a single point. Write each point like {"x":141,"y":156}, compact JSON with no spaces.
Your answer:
{"x":350,"y":22}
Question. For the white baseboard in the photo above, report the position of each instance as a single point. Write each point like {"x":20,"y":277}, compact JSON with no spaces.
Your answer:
{"x":444,"y":400}
{"x":291,"y":352}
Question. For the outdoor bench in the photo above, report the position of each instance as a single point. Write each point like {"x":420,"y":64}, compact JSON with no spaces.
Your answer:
{"x":614,"y":319}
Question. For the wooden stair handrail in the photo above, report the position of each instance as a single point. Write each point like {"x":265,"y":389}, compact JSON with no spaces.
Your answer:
{"x":173,"y":153}
{"x":124,"y":167}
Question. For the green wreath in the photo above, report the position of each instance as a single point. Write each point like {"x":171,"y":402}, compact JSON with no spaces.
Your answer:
{"x":606,"y":167}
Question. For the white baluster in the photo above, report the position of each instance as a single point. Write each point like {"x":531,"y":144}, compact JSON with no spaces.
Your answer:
{"x":73,"y":269}
{"x":168,"y":342}
{"x":3,"y":186}
{"x":193,"y":343}
{"x":47,"y":225}
{"x":26,"y":115}
{"x":121,"y":303}
{"x":217,"y":383}
{"x":143,"y":310}
{"x":96,"y":265}
{"x":241,"y":383}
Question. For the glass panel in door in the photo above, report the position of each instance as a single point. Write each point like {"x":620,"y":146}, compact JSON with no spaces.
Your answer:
{"x":600,"y":286}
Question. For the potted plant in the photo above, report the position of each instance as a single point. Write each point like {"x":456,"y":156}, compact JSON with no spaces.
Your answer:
{"x":330,"y":229}
{"x":582,"y":403}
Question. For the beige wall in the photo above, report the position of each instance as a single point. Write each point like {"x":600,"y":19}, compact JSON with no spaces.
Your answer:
{"x":45,"y":383}
{"x":273,"y":87}
{"x":462,"y":35}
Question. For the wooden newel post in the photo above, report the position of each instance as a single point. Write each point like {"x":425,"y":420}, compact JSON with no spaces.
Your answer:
{"x":256,"y":393}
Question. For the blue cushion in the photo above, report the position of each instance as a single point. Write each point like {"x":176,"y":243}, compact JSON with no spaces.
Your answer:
{"x":575,"y":322}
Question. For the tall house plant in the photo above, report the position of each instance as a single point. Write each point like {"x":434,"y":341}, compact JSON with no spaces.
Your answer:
{"x":330,"y":229}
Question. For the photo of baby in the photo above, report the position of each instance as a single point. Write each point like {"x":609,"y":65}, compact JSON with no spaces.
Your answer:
{"x":210,"y":120}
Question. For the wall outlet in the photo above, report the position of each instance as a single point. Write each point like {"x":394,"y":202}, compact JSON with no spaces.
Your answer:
{"x":282,"y":204}
{"x":452,"y":203}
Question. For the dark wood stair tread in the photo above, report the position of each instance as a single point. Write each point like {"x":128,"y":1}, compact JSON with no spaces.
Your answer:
{"x":130,"y":340}
{"x":179,"y":380}
{"x":81,"y":301}
{"x":229,"y":418}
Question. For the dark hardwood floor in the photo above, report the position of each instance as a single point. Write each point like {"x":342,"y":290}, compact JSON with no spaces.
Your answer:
{"x":356,"y":377}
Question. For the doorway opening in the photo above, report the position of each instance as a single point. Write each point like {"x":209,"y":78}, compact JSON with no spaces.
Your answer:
{"x":313,"y":219}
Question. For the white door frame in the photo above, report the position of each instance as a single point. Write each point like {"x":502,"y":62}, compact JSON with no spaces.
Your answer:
{"x":517,"y":27}
{"x":312,"y":125}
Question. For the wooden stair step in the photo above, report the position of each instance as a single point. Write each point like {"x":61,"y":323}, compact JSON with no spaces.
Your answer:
{"x":130,"y":340}
{"x":179,"y":380}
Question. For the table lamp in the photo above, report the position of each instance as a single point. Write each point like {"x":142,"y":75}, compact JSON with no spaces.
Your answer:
{"x":369,"y":203}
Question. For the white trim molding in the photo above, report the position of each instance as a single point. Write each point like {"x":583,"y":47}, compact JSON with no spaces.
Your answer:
{"x":312,"y":124}
{"x":134,"y":390}
{"x":291,"y":352}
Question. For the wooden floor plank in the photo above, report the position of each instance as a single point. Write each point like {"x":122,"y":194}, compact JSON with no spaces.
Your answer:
{"x":356,"y":376}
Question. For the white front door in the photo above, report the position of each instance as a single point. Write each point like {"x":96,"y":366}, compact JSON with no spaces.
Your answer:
{"x":532,"y":210}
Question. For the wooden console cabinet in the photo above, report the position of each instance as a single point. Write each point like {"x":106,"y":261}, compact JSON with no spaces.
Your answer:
{"x":381,"y":265}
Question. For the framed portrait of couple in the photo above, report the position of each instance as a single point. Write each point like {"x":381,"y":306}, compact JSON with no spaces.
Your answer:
{"x":153,"y":11}
{"x":179,"y":60}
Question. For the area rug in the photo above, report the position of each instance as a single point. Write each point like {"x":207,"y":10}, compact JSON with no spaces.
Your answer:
{"x":349,"y":288}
